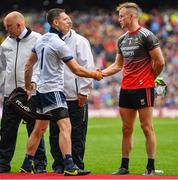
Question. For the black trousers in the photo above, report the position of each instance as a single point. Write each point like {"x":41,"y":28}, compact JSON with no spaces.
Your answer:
{"x":79,"y":120}
{"x":8,"y":135}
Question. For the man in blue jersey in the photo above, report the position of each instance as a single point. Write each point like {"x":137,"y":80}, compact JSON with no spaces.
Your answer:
{"x":52,"y":52}
{"x":76,"y":90}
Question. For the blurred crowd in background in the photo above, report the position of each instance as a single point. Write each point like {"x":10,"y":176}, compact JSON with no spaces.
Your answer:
{"x":101,"y":28}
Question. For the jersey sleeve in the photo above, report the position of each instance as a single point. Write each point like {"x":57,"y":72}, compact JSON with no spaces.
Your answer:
{"x":121,"y":38}
{"x":65,"y":53}
{"x":151,"y":42}
{"x":118,"y":47}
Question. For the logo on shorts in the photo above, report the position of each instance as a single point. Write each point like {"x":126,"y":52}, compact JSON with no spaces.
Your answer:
{"x":142,"y":102}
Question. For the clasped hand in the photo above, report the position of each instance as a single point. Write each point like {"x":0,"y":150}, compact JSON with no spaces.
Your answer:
{"x":98,"y":75}
{"x":30,"y":90}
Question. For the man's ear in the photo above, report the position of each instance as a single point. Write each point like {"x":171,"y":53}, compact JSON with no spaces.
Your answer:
{"x":131,"y":16}
{"x":55,"y":22}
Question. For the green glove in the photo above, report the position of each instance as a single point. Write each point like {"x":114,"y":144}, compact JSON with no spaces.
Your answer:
{"x":160,"y":87}
{"x":160,"y":81}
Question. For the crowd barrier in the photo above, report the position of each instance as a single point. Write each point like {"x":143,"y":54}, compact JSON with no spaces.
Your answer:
{"x":113,"y":112}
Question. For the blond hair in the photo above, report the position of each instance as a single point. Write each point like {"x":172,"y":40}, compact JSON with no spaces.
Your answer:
{"x":128,"y":5}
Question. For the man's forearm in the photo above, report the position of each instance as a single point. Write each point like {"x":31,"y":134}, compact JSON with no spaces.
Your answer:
{"x":83,"y":72}
{"x":112,"y":69}
{"x":28,"y":76}
{"x":157,"y":69}
{"x":86,"y":73}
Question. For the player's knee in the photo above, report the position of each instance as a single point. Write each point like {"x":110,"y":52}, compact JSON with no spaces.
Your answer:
{"x":147,"y":129}
{"x":40,"y":131}
{"x":127,"y":130}
{"x":65,"y":127}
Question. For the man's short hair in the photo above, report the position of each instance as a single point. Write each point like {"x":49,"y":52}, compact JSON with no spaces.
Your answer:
{"x":53,"y":14}
{"x":128,"y":5}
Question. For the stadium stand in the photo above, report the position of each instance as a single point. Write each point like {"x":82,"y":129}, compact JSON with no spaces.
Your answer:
{"x":101,"y":28}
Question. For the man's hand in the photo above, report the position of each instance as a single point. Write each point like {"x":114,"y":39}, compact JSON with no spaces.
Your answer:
{"x":82,"y":99}
{"x":30,"y":89}
{"x":98,"y":75}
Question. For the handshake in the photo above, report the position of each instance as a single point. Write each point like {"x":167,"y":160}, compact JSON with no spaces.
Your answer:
{"x":97,"y":74}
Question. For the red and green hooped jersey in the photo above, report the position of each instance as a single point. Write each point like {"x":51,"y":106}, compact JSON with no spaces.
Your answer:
{"x":137,"y":67}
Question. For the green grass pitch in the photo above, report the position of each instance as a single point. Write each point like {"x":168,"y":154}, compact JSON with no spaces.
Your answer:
{"x":103,"y":147}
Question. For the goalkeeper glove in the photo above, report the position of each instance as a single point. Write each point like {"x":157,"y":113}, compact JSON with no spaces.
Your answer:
{"x":160,"y":87}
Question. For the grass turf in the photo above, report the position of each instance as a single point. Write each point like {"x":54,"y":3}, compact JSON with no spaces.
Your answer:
{"x":103,"y":147}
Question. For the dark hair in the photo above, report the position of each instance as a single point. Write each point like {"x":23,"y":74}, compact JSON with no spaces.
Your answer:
{"x":53,"y":14}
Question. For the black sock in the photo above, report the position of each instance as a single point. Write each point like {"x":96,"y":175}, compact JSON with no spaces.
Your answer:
{"x":68,"y":162}
{"x":150,"y":164}
{"x":27,"y":163}
{"x":125,"y":163}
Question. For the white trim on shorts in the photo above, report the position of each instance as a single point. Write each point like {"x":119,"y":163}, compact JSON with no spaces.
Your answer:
{"x":57,"y":99}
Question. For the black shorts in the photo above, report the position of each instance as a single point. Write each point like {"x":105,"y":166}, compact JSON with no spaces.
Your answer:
{"x":59,"y":113}
{"x":136,"y":98}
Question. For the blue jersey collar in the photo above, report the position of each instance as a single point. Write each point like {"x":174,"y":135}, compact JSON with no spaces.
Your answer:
{"x":53,"y":30}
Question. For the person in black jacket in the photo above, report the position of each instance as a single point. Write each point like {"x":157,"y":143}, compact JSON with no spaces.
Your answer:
{"x":14,"y":52}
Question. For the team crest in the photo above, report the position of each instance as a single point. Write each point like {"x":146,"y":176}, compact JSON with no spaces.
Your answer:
{"x":130,"y":40}
{"x":137,"y":41}
{"x":140,"y":82}
{"x":142,"y":102}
